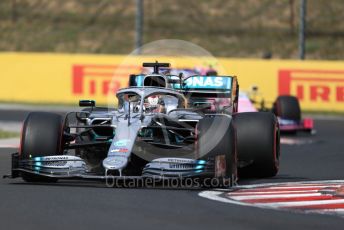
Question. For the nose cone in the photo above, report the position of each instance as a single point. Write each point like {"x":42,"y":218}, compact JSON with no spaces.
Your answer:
{"x":115,"y":162}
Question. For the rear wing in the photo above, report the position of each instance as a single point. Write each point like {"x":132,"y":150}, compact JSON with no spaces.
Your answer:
{"x":219,"y":84}
{"x":196,"y":83}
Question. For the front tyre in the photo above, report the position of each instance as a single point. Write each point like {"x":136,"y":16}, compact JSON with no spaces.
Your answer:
{"x":42,"y":135}
{"x":217,"y":140}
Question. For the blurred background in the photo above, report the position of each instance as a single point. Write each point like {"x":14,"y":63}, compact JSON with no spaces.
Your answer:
{"x":68,"y":50}
{"x":245,"y":28}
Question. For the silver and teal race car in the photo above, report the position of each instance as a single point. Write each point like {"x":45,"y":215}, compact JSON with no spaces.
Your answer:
{"x":166,"y":127}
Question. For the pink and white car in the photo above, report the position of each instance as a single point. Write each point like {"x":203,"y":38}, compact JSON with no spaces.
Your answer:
{"x":286,"y":108}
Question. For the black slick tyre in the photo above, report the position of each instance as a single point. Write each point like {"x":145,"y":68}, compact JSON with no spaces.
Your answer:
{"x":216,"y":138}
{"x":42,"y":135}
{"x":258,"y":144}
{"x":287,"y":107}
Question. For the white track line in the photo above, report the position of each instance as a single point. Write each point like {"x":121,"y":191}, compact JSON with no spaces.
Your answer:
{"x":313,"y":183}
{"x":215,"y":195}
{"x":257,"y":197}
{"x":301,"y":203}
{"x":286,"y":188}
{"x":9,"y":146}
{"x":275,"y":192}
{"x":330,"y":211}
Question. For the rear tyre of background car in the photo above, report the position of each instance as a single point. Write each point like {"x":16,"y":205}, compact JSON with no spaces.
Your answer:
{"x":42,"y":135}
{"x":258,"y":144}
{"x":216,"y":138}
{"x":287,"y":107}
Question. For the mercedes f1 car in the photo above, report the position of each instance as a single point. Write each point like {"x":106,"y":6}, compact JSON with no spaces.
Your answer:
{"x":165,"y":127}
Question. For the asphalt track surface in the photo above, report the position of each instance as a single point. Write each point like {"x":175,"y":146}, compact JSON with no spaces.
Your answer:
{"x":89,"y":205}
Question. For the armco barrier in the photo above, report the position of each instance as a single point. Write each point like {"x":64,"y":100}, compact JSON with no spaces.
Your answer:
{"x":64,"y":78}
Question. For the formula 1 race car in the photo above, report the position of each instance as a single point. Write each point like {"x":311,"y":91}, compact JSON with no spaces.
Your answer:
{"x":165,"y":127}
{"x":288,"y":111}
{"x":285,"y":107}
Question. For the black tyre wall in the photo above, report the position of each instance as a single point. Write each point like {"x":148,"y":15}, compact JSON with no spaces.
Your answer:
{"x":41,"y":135}
{"x":216,"y":136}
{"x":257,"y":143}
{"x":287,"y":107}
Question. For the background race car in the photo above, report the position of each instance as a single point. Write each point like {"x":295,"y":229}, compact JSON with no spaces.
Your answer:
{"x":285,"y":107}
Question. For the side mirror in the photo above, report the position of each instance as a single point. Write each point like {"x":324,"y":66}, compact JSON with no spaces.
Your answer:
{"x":87,"y":103}
{"x":132,"y":80}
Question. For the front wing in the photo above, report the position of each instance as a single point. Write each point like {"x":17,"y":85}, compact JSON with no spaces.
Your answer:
{"x":74,"y":168}
{"x":305,"y":125}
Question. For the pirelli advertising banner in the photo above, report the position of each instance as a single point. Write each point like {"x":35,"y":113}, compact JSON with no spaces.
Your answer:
{"x":64,"y":79}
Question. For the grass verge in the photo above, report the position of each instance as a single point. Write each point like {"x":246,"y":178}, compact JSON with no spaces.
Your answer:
{"x":7,"y":134}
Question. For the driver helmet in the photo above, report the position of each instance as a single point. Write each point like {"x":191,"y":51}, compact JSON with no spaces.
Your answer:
{"x":153,"y":100}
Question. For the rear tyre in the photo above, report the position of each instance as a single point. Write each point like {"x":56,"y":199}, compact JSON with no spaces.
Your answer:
{"x":216,"y":138}
{"x":42,"y":135}
{"x":287,"y":107}
{"x":258,"y":144}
